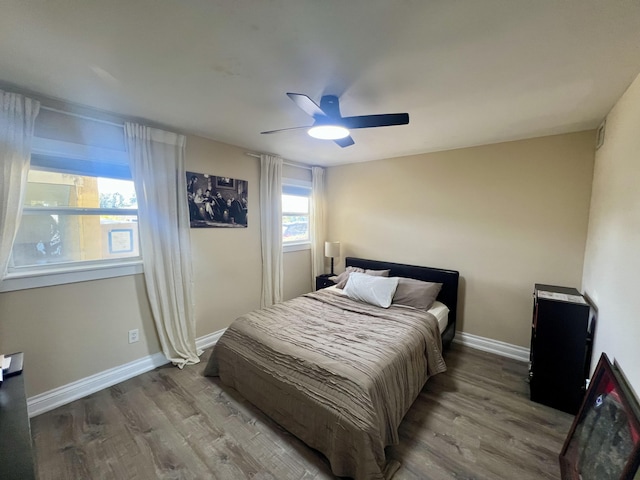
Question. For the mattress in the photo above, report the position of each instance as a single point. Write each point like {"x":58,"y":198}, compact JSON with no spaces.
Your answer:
{"x":441,"y":312}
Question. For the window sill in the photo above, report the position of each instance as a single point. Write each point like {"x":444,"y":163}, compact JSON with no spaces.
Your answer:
{"x":64,"y":275}
{"x":295,"y":247}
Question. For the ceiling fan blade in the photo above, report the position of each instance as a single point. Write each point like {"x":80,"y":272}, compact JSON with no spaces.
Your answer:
{"x":283,"y":130}
{"x":330,"y":106}
{"x":384,"y":120}
{"x":306,"y":104}
{"x":345,"y":142}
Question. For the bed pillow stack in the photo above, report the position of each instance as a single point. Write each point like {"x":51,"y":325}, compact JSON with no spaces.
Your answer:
{"x":376,"y":290}
{"x":341,"y":280}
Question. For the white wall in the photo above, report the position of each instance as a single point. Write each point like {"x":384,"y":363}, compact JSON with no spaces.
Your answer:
{"x":612,"y":258}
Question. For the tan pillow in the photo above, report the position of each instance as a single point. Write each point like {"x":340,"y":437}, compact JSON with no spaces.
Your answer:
{"x":416,"y":293}
{"x":341,"y":280}
{"x":377,"y":273}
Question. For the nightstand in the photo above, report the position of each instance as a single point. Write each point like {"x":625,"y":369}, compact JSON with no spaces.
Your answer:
{"x":322,"y":281}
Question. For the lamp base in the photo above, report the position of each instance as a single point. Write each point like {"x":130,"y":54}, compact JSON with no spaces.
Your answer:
{"x":332,"y":274}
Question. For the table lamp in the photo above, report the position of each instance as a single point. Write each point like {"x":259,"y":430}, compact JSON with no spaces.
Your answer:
{"x":332,"y":249}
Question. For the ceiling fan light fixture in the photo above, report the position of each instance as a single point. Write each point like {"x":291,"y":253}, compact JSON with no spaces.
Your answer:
{"x":328,"y":132}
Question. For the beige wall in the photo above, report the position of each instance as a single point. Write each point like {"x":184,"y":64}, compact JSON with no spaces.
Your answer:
{"x":227,"y":262}
{"x":506,"y":216}
{"x":69,"y":332}
{"x":612,"y":258}
{"x":297,"y":273}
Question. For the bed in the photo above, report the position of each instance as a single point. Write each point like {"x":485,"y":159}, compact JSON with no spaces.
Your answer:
{"x":337,"y":373}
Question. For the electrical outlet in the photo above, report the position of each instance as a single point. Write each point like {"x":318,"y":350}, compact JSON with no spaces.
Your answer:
{"x":134,"y":336}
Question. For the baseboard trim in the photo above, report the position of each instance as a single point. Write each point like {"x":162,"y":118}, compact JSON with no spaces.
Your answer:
{"x":209,"y":340}
{"x":86,"y":386}
{"x":492,"y":346}
{"x":57,"y":397}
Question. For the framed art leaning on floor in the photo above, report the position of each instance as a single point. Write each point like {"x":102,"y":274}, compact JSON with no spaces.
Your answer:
{"x":604,"y":440}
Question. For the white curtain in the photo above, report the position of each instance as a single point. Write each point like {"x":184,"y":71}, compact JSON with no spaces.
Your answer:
{"x":271,"y":229}
{"x":317,"y":223}
{"x":17,"y":117}
{"x":156,"y":158}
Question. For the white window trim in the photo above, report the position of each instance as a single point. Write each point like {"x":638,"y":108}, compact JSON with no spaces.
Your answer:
{"x":65,"y":273}
{"x":61,"y":275}
{"x":296,"y":246}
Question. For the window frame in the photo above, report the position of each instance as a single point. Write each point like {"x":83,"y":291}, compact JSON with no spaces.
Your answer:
{"x":304,"y":244}
{"x":57,"y":152}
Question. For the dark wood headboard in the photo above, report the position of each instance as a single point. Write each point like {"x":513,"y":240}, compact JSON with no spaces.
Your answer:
{"x":449,"y":279}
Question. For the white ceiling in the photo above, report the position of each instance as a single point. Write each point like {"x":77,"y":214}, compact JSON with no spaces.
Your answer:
{"x":469,"y":72}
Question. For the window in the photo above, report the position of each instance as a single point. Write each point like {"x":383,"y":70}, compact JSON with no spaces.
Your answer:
{"x":69,"y":218}
{"x":78,"y":215}
{"x":296,"y":203}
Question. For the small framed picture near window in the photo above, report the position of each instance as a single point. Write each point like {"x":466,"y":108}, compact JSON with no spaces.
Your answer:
{"x":604,"y":440}
{"x":121,"y":240}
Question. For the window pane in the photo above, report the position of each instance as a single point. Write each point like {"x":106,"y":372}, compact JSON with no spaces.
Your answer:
{"x":117,"y":193}
{"x":47,"y":239}
{"x":295,"y":204}
{"x":55,"y":189}
{"x":295,"y":228}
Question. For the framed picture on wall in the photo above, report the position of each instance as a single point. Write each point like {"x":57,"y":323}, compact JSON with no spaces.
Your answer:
{"x":217,"y":202}
{"x":604,"y":440}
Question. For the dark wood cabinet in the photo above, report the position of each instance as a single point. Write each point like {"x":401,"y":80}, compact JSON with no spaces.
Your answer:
{"x":16,"y":455}
{"x":561,"y":340}
{"x":322,"y":281}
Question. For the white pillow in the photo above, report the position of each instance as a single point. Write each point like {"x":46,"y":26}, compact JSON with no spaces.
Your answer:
{"x":374,"y":290}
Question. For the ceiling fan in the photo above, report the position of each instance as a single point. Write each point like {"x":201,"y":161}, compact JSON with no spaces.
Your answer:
{"x":330,"y":125}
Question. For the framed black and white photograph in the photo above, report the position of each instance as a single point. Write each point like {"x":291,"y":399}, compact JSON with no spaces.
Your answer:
{"x":217,"y":201}
{"x":604,"y":440}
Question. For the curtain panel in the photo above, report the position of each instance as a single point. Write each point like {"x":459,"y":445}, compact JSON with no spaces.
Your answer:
{"x":271,"y":229}
{"x":157,"y":164}
{"x":17,"y":117}
{"x":317,"y":222}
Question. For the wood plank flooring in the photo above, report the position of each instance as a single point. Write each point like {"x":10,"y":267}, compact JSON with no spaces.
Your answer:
{"x":473,"y":422}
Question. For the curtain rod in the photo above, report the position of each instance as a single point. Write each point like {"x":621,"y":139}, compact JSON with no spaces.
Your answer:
{"x":284,"y":162}
{"x":84,"y":117}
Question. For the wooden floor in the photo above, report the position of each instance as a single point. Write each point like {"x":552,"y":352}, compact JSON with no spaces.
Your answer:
{"x":473,"y":422}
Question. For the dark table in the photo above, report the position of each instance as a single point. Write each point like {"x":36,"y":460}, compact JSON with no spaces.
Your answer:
{"x":16,"y":454}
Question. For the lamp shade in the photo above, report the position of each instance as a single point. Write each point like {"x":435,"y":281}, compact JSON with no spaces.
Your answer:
{"x":332,"y":249}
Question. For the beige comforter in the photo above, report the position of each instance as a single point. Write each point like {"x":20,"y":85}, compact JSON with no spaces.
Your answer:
{"x":338,"y":374}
